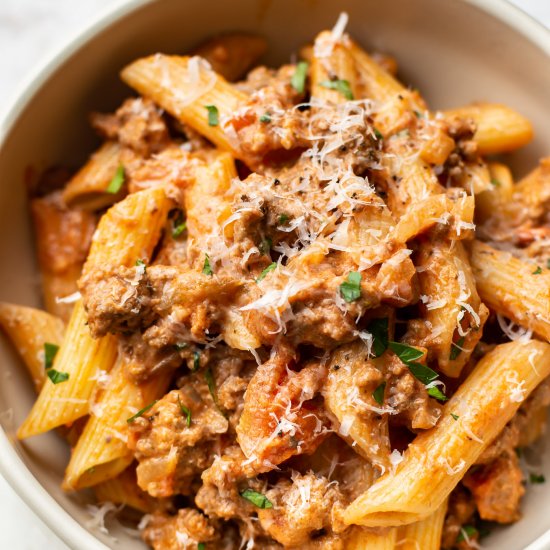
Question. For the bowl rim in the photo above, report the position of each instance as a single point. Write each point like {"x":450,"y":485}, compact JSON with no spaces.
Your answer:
{"x":12,"y":467}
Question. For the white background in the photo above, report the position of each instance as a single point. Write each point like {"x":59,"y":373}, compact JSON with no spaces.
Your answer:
{"x":29,"y":30}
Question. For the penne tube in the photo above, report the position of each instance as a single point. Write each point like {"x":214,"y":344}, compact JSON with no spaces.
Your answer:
{"x":87,"y":189}
{"x":533,"y":190}
{"x":491,"y":201}
{"x":29,"y":329}
{"x":128,"y":232}
{"x":500,"y":129}
{"x":184,"y":87}
{"x":335,"y":69}
{"x":63,"y":238}
{"x":101,"y":452}
{"x":497,"y":274}
{"x":231,"y":55}
{"x":423,"y":535}
{"x":123,"y":489}
{"x":437,"y":459}
{"x":363,"y":539}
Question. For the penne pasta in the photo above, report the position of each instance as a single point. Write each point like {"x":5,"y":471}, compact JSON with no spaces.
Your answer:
{"x":363,"y":539}
{"x":423,"y":535}
{"x":87,"y":189}
{"x":29,"y":330}
{"x":437,"y":459}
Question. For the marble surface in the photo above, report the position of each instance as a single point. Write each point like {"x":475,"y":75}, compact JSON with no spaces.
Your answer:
{"x":29,"y":31}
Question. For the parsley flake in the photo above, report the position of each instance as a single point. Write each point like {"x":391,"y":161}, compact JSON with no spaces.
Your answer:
{"x":455,"y":416}
{"x":196,"y":361}
{"x":201,"y":546}
{"x":270,"y":267}
{"x":423,"y":373}
{"x":378,"y":393}
{"x":266,"y":117}
{"x":265,"y":246}
{"x":298,"y":79}
{"x":207,"y":268}
{"x":211,"y":383}
{"x":548,"y":263}
{"x":180,"y":225}
{"x":350,"y":289}
{"x":406,"y":353}
{"x":379,"y":330}
{"x":283,"y":218}
{"x":142,"y":411}
{"x":50,"y":351}
{"x":57,"y":377}
{"x":377,"y":133}
{"x":259,"y":500}
{"x":537,"y":271}
{"x":213,"y":115}
{"x":466,"y":532}
{"x":495,"y":182}
{"x":536,"y":478}
{"x":434,"y":391}
{"x":185,"y":412}
{"x":341,"y":86}
{"x":117,"y":182}
{"x":456,"y":348}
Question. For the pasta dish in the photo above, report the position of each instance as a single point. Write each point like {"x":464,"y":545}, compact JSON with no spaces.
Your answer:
{"x":293,"y":308}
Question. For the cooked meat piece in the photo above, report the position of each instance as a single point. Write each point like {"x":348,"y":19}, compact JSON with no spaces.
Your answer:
{"x":184,"y":530}
{"x":137,"y":124}
{"x":281,"y":417}
{"x":176,"y":440}
{"x":302,"y":508}
{"x":460,"y":511}
{"x":497,"y":489}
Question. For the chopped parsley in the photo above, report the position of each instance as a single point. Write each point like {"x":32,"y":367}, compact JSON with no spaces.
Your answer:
{"x":378,"y":393}
{"x":455,"y":416}
{"x":456,"y":348}
{"x":283,"y":218}
{"x":185,"y":412}
{"x":117,"y":182}
{"x":180,"y":225}
{"x":536,"y":478}
{"x":57,"y":377}
{"x":50,"y":351}
{"x":141,"y":263}
{"x":271,"y":267}
{"x":406,"y":353}
{"x":298,"y":79}
{"x":495,"y":182}
{"x":196,"y":361}
{"x":379,"y":330}
{"x":142,"y":411}
{"x":265,"y":246}
{"x":418,"y":114}
{"x":210,"y":382}
{"x":377,"y":133}
{"x":423,"y":373}
{"x":201,"y":546}
{"x":350,"y":289}
{"x":341,"y":86}
{"x":434,"y":391}
{"x":259,"y":500}
{"x":213,"y":115}
{"x":537,"y":271}
{"x":266,"y":117}
{"x":466,"y":531}
{"x":548,"y":263}
{"x":207,"y":268}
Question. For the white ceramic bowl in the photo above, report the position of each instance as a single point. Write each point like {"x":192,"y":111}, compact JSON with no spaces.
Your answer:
{"x":453,"y":51}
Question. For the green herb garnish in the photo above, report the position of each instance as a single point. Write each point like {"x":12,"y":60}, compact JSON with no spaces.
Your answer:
{"x":117,"y":182}
{"x":466,"y":532}
{"x":213,"y":115}
{"x":298,"y":79}
{"x":378,"y":393}
{"x":537,"y":271}
{"x":50,"y":351}
{"x":270,"y":267}
{"x":406,"y":353}
{"x":434,"y":391}
{"x":201,"y":546}
{"x":455,"y":416}
{"x":379,"y":330}
{"x":422,"y":373}
{"x":536,"y":478}
{"x":456,"y":348}
{"x":377,"y":133}
{"x":341,"y":86}
{"x":180,"y":225}
{"x":259,"y":500}
{"x":196,"y":361}
{"x":266,"y":117}
{"x":283,"y":218}
{"x":207,"y":268}
{"x":350,"y":289}
{"x":141,"y":412}
{"x":265,"y":246}
{"x":185,"y":412}
{"x":57,"y":377}
{"x":495,"y":182}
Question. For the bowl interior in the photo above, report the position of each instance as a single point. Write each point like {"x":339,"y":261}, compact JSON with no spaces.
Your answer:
{"x":454,"y":52}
